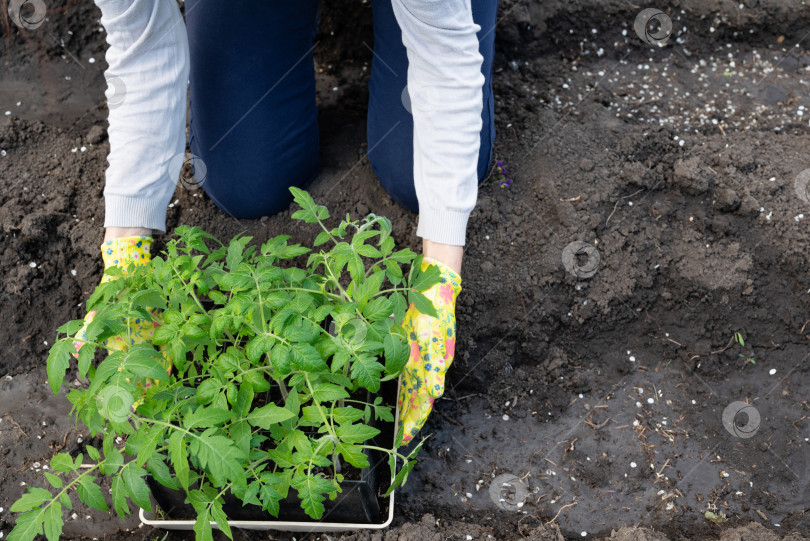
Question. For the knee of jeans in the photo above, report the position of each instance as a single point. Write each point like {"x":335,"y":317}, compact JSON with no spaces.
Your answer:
{"x":396,"y":176}
{"x":258,"y":189}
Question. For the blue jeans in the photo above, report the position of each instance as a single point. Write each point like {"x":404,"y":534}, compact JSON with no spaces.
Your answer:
{"x":254,"y":120}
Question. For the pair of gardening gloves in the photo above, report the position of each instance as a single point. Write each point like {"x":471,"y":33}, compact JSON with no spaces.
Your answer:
{"x":432,"y":340}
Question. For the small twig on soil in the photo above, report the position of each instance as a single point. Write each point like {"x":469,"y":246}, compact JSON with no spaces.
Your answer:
{"x":550,"y":462}
{"x":595,"y":426}
{"x":673,"y":341}
{"x":730,"y":342}
{"x":560,"y":511}
{"x":64,"y":442}
{"x":13,"y":422}
{"x":803,"y":326}
{"x":449,"y":419}
{"x":571,"y":199}
{"x":463,"y":397}
{"x":659,"y":472}
{"x":619,"y":201}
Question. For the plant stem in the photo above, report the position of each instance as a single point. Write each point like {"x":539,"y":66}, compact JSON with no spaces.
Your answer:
{"x":384,"y":450}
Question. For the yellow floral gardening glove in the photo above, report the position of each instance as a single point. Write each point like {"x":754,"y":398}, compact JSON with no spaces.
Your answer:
{"x":433,"y":342}
{"x":121,"y":252}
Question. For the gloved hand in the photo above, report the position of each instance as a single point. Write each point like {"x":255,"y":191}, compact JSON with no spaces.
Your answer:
{"x":121,"y":252}
{"x":433,"y":342}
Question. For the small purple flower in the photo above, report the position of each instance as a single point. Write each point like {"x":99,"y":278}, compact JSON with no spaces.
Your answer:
{"x":506,"y":183}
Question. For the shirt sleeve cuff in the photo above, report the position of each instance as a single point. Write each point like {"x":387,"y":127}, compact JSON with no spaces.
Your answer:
{"x":443,"y":226}
{"x":123,"y":211}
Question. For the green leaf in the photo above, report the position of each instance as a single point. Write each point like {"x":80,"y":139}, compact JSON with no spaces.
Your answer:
{"x":229,"y":360}
{"x":54,"y":480}
{"x":234,"y":281}
{"x":207,"y":390}
{"x":220,"y":518}
{"x":241,"y":433}
{"x":179,"y":457}
{"x":244,"y":399}
{"x":31,"y":499}
{"x":157,"y":467}
{"x":339,"y":359}
{"x":86,"y":354}
{"x":312,"y":414}
{"x":310,"y":490}
{"x":397,"y":354}
{"x":173,"y":317}
{"x":220,"y":457}
{"x":393,"y":272}
{"x":119,"y":497}
{"x":422,"y":303}
{"x":306,"y":358}
{"x":353,"y":454}
{"x":53,"y":522}
{"x":135,"y":487}
{"x":379,"y":308}
{"x":258,"y":346}
{"x":291,"y":251}
{"x":400,"y":307}
{"x":384,"y":413}
{"x":144,"y":361}
{"x":403,"y":256}
{"x":293,"y":403}
{"x":284,"y":459}
{"x":347,"y":414}
{"x":62,"y":463}
{"x":426,"y":278}
{"x":71,"y":327}
{"x":256,"y":380}
{"x":386,"y":243}
{"x":218,"y":297}
{"x":113,"y":460}
{"x":235,"y":252}
{"x":301,"y":442}
{"x":93,"y":452}
{"x":401,"y":477}
{"x":322,"y":237}
{"x":366,"y":370}
{"x":301,"y":330}
{"x":58,"y":363}
{"x":369,"y":251}
{"x":90,"y":493}
{"x":357,"y":433}
{"x":269,"y":415}
{"x":164,"y":334}
{"x":205,"y":417}
{"x":149,"y":442}
{"x":28,"y":526}
{"x":280,"y":359}
{"x":310,"y":212}
{"x":149,"y":298}
{"x":356,"y":268}
{"x":202,"y":527}
{"x":327,"y":392}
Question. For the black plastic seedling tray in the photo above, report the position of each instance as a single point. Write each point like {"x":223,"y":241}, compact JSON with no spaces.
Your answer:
{"x":358,"y":505}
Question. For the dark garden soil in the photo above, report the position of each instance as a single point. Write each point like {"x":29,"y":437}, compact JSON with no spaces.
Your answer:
{"x":598,"y":400}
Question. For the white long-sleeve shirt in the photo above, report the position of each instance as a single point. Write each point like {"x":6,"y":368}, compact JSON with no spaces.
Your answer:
{"x":147,"y":82}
